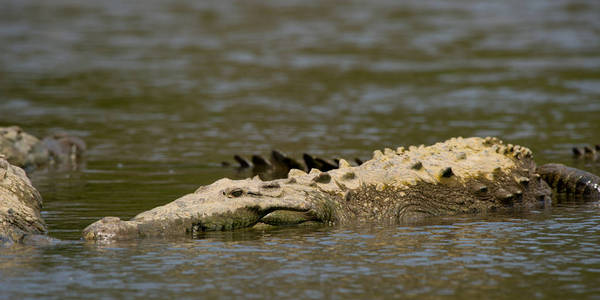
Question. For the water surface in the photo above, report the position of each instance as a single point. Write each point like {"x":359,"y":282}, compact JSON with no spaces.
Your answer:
{"x":163,"y":91}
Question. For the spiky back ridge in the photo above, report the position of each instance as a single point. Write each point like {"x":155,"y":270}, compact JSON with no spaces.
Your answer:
{"x":460,"y":175}
{"x":457,"y":176}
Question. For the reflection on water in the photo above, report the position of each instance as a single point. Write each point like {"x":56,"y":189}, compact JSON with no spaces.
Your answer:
{"x":162,"y":91}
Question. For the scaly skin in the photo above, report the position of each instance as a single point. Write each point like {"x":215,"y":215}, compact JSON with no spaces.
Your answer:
{"x":454,"y":177}
{"x":571,"y":181}
{"x":20,"y":205}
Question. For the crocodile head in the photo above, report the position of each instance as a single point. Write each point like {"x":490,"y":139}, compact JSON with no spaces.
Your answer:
{"x":457,"y":176}
{"x":224,"y":205}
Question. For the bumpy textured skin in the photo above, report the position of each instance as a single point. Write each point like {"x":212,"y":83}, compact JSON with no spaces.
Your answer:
{"x":404,"y":185}
{"x":571,"y":181}
{"x":27,"y":151}
{"x":20,"y":205}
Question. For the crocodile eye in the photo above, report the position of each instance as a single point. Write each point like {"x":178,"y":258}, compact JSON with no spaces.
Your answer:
{"x":236,"y":192}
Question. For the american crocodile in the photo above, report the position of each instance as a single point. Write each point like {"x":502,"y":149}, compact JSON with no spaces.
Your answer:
{"x":25,"y":150}
{"x":457,"y":176}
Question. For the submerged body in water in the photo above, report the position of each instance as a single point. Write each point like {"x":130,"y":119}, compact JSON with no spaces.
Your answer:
{"x":396,"y":186}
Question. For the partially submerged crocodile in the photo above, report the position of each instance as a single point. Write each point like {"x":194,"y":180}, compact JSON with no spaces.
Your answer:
{"x":25,"y":150}
{"x":457,"y":176}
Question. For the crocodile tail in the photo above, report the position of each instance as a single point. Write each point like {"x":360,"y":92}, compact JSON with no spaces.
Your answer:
{"x":571,"y":181}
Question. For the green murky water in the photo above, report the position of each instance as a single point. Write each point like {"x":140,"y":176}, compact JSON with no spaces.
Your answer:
{"x":163,"y":91}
